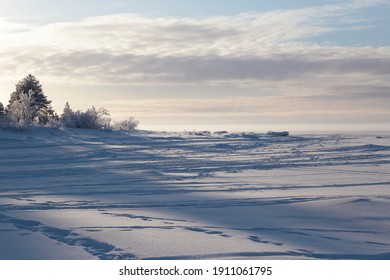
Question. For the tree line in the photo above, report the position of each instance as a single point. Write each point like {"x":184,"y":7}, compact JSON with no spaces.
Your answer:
{"x":29,"y":106}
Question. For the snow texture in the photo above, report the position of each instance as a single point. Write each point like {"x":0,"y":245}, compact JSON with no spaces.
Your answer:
{"x":88,"y":194}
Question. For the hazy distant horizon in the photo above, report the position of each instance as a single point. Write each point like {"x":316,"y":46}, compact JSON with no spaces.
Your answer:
{"x":255,"y":125}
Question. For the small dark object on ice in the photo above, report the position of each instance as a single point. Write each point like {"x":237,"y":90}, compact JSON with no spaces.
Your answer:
{"x":276,"y":133}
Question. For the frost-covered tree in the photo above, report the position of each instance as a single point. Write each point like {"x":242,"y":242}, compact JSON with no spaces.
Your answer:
{"x":68,"y":116}
{"x":104,"y":118}
{"x":43,"y":107}
{"x":54,"y":122}
{"x":24,"y":110}
{"x":4,"y":119}
{"x":2,"y":110}
{"x":92,"y":118}
{"x":129,"y":124}
{"x":95,"y":119}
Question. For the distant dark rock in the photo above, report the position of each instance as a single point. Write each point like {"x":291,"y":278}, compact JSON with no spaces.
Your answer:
{"x":278,"y":133}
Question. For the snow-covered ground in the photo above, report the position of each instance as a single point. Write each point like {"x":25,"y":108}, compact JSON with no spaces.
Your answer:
{"x":85,"y":194}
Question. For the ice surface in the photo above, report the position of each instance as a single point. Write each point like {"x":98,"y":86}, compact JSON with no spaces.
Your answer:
{"x":87,"y":194}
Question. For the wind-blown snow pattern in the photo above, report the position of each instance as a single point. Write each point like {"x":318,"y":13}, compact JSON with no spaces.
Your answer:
{"x":87,"y":194}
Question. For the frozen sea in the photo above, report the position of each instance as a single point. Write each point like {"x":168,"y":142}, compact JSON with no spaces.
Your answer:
{"x":88,"y":194}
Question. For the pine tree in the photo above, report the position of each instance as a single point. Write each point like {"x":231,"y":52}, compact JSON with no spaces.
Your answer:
{"x":68,"y":116}
{"x":30,"y":83}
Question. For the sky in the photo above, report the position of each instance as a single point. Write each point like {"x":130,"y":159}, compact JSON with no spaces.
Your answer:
{"x":243,"y":65}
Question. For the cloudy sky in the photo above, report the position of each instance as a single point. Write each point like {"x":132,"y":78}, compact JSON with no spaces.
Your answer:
{"x":221,"y":64}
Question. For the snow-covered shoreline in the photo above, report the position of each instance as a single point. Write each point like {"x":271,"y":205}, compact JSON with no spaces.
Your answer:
{"x":88,"y":194}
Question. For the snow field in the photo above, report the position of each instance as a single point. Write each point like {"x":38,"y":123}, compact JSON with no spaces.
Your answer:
{"x":87,"y":194}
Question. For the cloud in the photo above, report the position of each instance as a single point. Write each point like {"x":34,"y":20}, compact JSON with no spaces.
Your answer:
{"x":107,"y":68}
{"x":246,"y":49}
{"x":254,"y":105}
{"x":243,"y":34}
